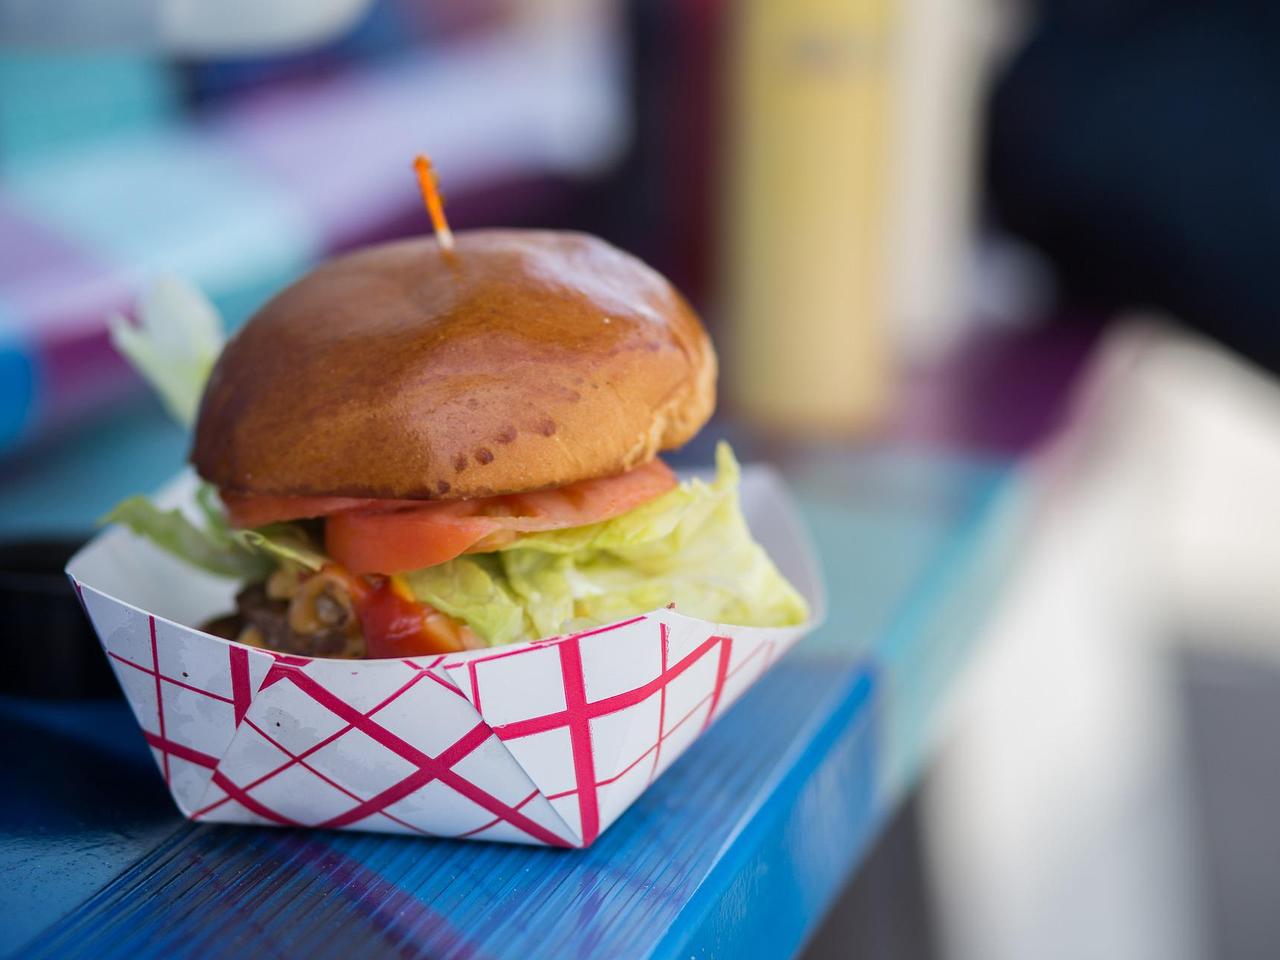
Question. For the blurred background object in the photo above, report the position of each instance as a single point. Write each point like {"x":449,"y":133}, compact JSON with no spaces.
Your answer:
{"x":186,"y":27}
{"x":239,"y":173}
{"x":808,"y":157}
{"x":917,"y":229}
{"x":1110,"y":757}
{"x":849,"y":222}
{"x":1131,"y":142}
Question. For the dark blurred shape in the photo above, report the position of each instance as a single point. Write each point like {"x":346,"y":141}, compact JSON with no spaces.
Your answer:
{"x":91,"y":803}
{"x":51,"y":649}
{"x":665,"y":191}
{"x":884,"y":912}
{"x":1134,"y":142}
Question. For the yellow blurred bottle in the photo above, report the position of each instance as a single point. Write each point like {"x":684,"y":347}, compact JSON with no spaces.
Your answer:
{"x":805,"y":226}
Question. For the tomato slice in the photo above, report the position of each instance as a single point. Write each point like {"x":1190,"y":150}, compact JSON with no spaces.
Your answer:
{"x":257,"y":510}
{"x":378,"y":542}
{"x":392,"y":541}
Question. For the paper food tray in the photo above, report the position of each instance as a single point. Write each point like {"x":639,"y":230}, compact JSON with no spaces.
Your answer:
{"x":545,"y":742}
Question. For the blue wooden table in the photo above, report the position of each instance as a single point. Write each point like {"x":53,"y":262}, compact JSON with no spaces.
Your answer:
{"x":736,"y":852}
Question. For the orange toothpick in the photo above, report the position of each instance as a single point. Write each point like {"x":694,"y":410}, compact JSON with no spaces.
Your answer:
{"x":431,"y":197}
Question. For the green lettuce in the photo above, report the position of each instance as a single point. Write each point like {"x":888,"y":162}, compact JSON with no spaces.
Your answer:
{"x":212,"y":544}
{"x":174,"y":345}
{"x":474,"y":589}
{"x":690,"y":547}
{"x":284,"y":544}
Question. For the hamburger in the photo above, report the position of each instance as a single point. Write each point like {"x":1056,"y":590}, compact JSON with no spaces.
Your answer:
{"x":423,"y":447}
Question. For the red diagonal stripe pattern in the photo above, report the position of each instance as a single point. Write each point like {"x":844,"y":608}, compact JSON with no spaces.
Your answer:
{"x":317,"y":773}
{"x":181,"y":751}
{"x":662,"y":706}
{"x":545,"y":642}
{"x":155,"y":667}
{"x":427,"y":768}
{"x":579,"y":711}
{"x":578,"y":719}
{"x":575,"y":719}
{"x":668,"y":731}
{"x":238,"y":663}
{"x":241,"y":695}
{"x":143,"y":668}
{"x":612,"y":704}
{"x":722,"y":672}
{"x":242,"y":797}
{"x":424,"y":775}
{"x":434,"y":766}
{"x":299,"y":758}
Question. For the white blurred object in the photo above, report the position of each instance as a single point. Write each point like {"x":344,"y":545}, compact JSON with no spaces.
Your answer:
{"x":1221,"y":545}
{"x":1058,"y":822}
{"x":582,"y":57}
{"x":184,"y":27}
{"x":943,"y":53}
{"x":1204,"y":427}
{"x":222,"y":26}
{"x":939,"y":56}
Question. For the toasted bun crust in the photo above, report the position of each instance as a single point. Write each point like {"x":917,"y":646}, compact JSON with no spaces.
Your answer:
{"x":523,"y":360}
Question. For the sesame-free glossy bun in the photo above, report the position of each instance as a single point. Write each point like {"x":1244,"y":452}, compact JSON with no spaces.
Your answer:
{"x":520,"y":360}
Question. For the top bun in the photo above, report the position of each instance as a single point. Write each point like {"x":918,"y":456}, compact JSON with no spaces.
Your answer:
{"x":521,"y":360}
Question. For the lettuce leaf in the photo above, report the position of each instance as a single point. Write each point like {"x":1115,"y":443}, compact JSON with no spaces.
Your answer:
{"x":174,"y":345}
{"x":213,"y":545}
{"x":690,"y":547}
{"x":284,"y":543}
{"x":474,"y":589}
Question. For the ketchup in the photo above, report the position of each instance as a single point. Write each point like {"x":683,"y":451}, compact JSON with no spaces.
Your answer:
{"x":397,"y":625}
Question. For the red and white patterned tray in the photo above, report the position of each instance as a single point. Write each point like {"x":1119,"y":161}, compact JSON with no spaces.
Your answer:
{"x":545,"y":742}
